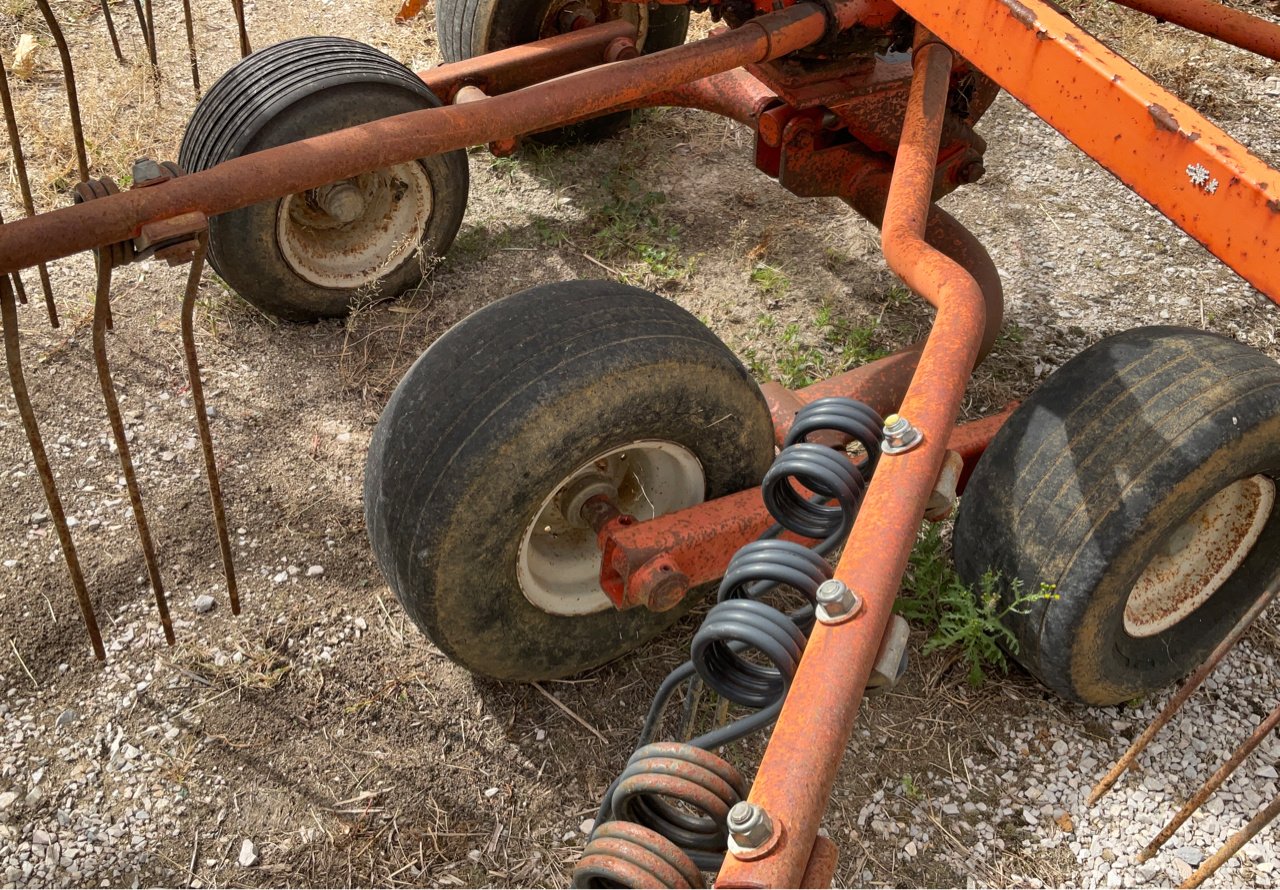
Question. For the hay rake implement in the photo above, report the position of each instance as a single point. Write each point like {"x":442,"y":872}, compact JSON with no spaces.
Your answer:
{"x":510,"y":475}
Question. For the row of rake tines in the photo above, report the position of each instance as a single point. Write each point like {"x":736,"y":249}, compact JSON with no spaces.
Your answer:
{"x":13,"y":292}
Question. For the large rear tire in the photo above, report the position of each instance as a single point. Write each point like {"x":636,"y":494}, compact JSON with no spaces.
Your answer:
{"x":1140,"y":482}
{"x":506,"y":418}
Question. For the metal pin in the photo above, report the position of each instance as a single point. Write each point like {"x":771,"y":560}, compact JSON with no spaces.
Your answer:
{"x":13,"y":361}
{"x":152,"y":49}
{"x":102,"y":299}
{"x":1180,"y":697}
{"x":24,"y":186}
{"x":1234,"y":843}
{"x":202,"y":418}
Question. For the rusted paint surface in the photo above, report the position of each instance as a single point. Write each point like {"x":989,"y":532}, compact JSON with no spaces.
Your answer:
{"x":1213,"y":195}
{"x":297,"y":167}
{"x":795,"y":779}
{"x":822,"y":864}
{"x":1164,"y":120}
{"x":1216,"y":20}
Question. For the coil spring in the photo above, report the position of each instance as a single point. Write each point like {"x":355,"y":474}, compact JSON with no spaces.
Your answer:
{"x":664,"y":841}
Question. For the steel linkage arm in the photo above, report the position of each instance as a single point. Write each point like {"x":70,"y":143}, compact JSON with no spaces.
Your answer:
{"x":798,"y":772}
{"x":311,"y":163}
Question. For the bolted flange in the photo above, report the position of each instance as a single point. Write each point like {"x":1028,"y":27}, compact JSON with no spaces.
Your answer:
{"x":836,"y":602}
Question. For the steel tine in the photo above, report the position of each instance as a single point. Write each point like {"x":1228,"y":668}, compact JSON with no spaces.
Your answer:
{"x":1213,"y":784}
{"x":111,"y":30}
{"x":24,"y":186}
{"x":152,"y":49}
{"x":142,"y":26}
{"x":238,"y":7}
{"x":202,"y":419}
{"x":69,"y":75}
{"x":101,"y":300}
{"x":13,"y":360}
{"x":1180,"y":697}
{"x":1234,"y":843}
{"x":191,"y":45}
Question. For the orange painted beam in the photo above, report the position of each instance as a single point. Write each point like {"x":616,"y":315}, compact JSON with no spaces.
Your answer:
{"x":1188,"y":168}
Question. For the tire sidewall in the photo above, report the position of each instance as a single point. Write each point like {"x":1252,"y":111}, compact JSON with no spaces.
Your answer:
{"x":244,"y":248}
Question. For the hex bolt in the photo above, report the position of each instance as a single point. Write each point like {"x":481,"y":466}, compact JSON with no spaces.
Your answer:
{"x":749,"y":825}
{"x":147,"y":172}
{"x":899,"y":435}
{"x":836,"y":602}
{"x":343,"y":201}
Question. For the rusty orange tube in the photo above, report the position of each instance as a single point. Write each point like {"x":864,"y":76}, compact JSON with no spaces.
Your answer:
{"x":798,"y":772}
{"x":293,"y":168}
{"x":1215,"y":20}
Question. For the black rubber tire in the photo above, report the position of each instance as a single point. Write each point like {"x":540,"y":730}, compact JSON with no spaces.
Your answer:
{"x":465,"y":30}
{"x":507,"y":403}
{"x":291,"y":91}
{"x":1090,"y":476}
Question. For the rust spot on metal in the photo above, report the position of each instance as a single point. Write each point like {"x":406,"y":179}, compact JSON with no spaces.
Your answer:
{"x":1192,"y":137}
{"x":1164,"y":120}
{"x":1274,"y":206}
{"x":1020,"y":12}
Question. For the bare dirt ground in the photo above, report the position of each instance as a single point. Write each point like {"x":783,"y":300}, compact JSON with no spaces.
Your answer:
{"x":322,"y":727}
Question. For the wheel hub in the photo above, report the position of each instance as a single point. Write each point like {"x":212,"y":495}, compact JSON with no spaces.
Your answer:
{"x":1199,"y":556}
{"x":559,"y":559}
{"x":346,"y":235}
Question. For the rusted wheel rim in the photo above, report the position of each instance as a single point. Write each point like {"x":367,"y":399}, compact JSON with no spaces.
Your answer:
{"x":1199,"y":556}
{"x":563,"y":16}
{"x":559,"y":561}
{"x":350,"y":234}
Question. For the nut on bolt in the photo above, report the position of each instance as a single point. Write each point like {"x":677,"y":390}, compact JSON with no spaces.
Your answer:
{"x":899,"y":435}
{"x":836,"y":602}
{"x":749,"y":826}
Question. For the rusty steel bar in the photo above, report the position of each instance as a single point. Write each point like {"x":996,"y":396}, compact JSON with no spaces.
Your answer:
{"x":69,"y":77}
{"x":1264,"y":818}
{"x":152,"y":49}
{"x":237,"y":7}
{"x":524,"y":65}
{"x":142,"y":26}
{"x":822,"y":864}
{"x":202,"y":419}
{"x":16,"y":277}
{"x":13,"y":361}
{"x":1265,"y":728}
{"x":796,"y":777}
{"x":100,"y":313}
{"x":1190,"y":170}
{"x":24,"y":187}
{"x":1229,"y":25}
{"x":111,"y":29}
{"x":191,"y":45}
{"x":310,"y":163}
{"x":1180,"y":697}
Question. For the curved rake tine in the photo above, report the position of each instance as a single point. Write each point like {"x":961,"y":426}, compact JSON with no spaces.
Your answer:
{"x":1180,"y":697}
{"x":146,"y":34}
{"x":1213,"y":784}
{"x":13,"y":360}
{"x":101,"y":301}
{"x":24,"y":186}
{"x":1234,"y":843}
{"x":191,"y":44}
{"x":69,"y":75}
{"x":238,"y":7}
{"x":202,"y":419}
{"x":152,"y":49}
{"x":111,"y":30}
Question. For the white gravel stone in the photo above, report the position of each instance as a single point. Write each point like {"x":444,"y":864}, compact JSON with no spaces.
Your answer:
{"x":204,"y":603}
{"x":248,"y":854}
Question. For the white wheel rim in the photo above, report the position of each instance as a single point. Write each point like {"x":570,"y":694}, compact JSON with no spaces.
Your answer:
{"x":1199,"y":556}
{"x":559,"y":564}
{"x":348,"y":255}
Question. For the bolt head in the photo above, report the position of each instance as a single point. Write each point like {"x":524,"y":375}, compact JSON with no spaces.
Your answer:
{"x":749,"y":825}
{"x":836,"y":602}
